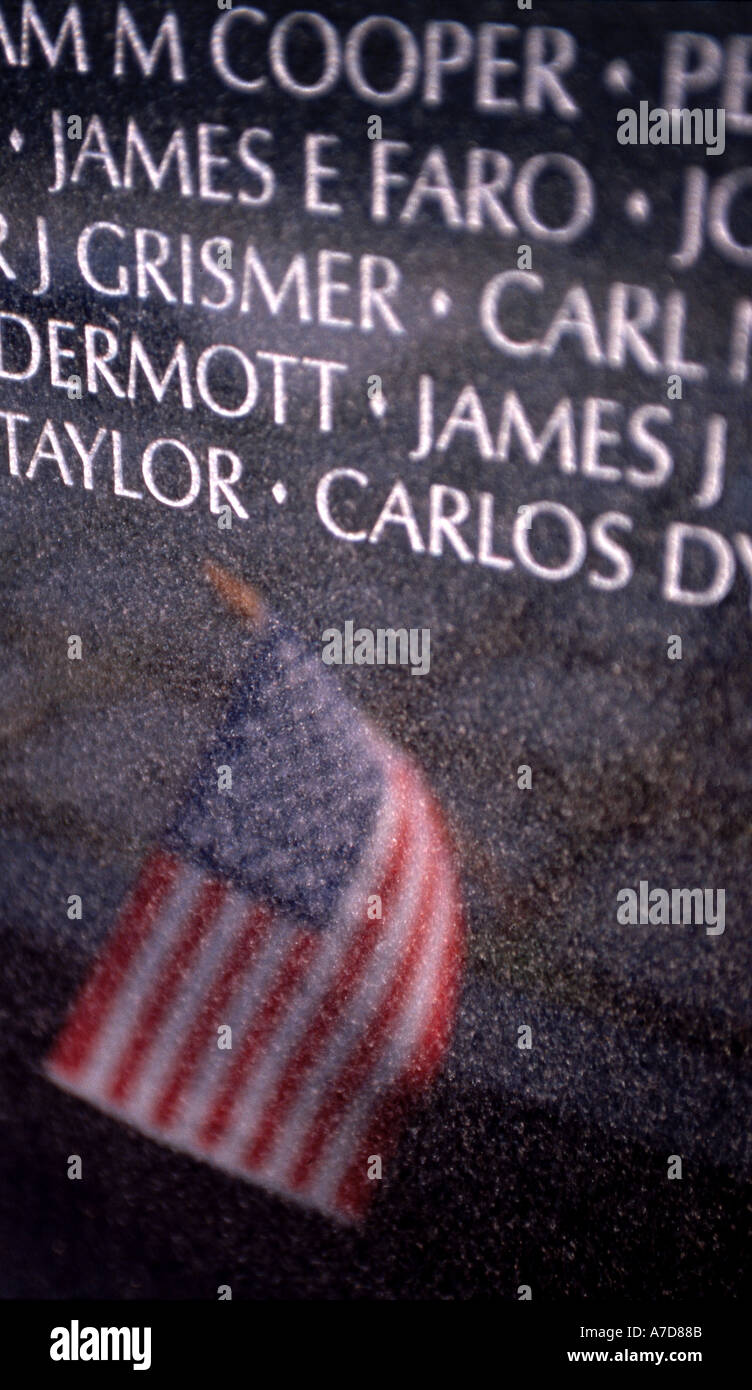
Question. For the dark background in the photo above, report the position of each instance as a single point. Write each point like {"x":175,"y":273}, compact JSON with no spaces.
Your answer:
{"x":545,"y":1168}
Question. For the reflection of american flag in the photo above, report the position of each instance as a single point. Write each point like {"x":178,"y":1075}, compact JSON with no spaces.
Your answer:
{"x":254,"y":913}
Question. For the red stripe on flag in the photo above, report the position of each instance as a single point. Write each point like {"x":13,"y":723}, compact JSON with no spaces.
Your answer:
{"x":156,"y":1005}
{"x":133,"y":926}
{"x":237,"y":960}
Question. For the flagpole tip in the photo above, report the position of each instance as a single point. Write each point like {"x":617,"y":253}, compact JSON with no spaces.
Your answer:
{"x":240,"y":598}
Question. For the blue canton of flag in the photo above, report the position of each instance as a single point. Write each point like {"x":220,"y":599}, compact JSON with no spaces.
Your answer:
{"x":307,"y":781}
